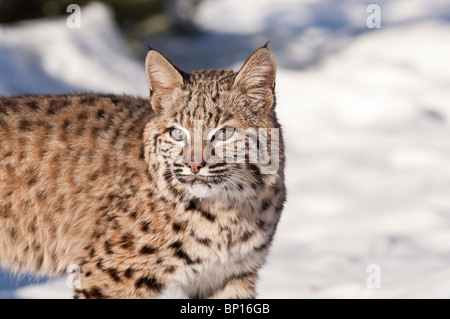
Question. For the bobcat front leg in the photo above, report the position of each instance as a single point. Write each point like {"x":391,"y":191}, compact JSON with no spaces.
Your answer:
{"x":237,"y":287}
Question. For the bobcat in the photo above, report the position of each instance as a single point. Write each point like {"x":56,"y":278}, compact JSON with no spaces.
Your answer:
{"x":114,"y":184}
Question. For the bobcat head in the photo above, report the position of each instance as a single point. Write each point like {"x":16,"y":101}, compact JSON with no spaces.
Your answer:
{"x":208,"y":126}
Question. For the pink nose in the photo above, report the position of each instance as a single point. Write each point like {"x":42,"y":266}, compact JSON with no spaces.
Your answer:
{"x":195,"y":167}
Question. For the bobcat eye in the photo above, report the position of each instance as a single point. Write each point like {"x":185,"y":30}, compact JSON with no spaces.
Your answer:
{"x":223,"y":134}
{"x":177,"y":134}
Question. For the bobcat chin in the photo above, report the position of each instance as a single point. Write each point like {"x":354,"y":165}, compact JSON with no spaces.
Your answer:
{"x":145,"y":194}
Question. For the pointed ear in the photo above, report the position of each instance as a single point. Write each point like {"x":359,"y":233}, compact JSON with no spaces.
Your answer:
{"x":163,"y":78}
{"x":256,"y":79}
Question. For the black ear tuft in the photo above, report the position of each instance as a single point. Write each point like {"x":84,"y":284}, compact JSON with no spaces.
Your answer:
{"x":266,"y":46}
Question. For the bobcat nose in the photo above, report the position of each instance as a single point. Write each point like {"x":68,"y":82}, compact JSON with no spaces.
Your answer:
{"x":194,"y":166}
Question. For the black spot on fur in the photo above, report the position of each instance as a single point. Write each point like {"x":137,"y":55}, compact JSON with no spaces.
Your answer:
{"x":115,"y":100}
{"x":170,"y":269}
{"x":145,"y":226}
{"x":95,"y":292}
{"x":32,"y":181}
{"x":113,"y":273}
{"x":133,"y":215}
{"x":127,"y":241}
{"x":25,"y":126}
{"x":246,"y":236}
{"x":204,"y":241}
{"x":84,"y":292}
{"x":89,"y":100}
{"x":168,"y":176}
{"x":13,"y":233}
{"x":261,"y":223}
{"x":99,"y":265}
{"x":100,"y":114}
{"x":40,"y":262}
{"x":150,"y":283}
{"x":191,"y":206}
{"x":180,"y":253}
{"x":33,"y":105}
{"x":266,"y":204}
{"x":82,"y":116}
{"x":66,"y":125}
{"x":183,"y":255}
{"x":5,"y":212}
{"x":177,"y":227}
{"x":256,"y":172}
{"x":279,"y":206}
{"x":265,"y":245}
{"x":147,"y":250}
{"x":207,"y":215}
{"x":177,"y":244}
{"x":129,"y":273}
{"x":56,"y":104}
{"x":108,"y":248}
{"x":95,"y":176}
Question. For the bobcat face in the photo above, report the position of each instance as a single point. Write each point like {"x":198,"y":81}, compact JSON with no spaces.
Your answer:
{"x":207,"y":126}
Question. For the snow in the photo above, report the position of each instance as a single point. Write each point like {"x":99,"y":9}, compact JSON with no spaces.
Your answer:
{"x":48,"y":57}
{"x":365,"y":114}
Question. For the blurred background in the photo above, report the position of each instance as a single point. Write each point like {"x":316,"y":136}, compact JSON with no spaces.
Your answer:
{"x":365,"y":113}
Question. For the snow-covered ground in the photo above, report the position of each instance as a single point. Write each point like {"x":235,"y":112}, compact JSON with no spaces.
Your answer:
{"x":366,"y":120}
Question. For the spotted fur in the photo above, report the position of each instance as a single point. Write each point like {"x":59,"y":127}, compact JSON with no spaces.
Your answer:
{"x":92,"y":180}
